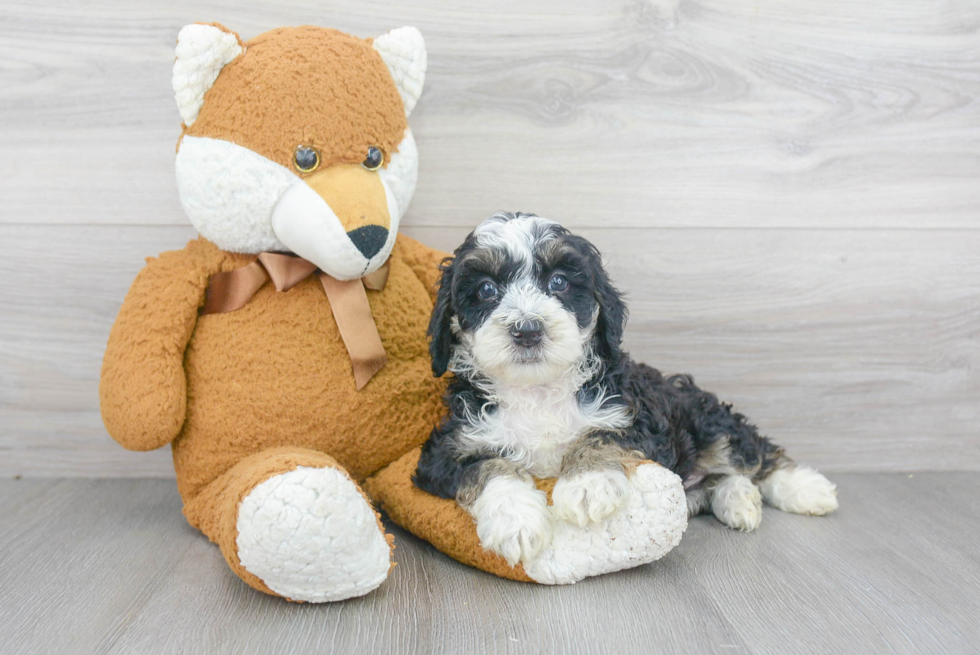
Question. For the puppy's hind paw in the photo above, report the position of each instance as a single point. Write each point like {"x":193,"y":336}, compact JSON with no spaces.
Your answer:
{"x":512,"y":520}
{"x":590,"y":496}
{"x":800,"y":490}
{"x":737,"y":503}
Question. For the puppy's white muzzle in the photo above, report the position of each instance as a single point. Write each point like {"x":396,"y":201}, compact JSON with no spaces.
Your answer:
{"x":549,"y":348}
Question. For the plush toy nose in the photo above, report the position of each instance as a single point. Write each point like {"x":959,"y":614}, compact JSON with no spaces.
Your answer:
{"x":357,"y":196}
{"x":369,"y":239}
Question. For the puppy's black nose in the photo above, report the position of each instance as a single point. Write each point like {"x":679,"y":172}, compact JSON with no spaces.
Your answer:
{"x":369,"y":239}
{"x":527,"y":333}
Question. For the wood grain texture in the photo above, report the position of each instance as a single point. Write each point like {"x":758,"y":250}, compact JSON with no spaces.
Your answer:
{"x":714,"y":113}
{"x":856,"y":350}
{"x":111,"y":567}
{"x":787,"y":190}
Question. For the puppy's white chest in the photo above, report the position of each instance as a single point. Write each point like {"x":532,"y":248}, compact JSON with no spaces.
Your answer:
{"x":537,"y":432}
{"x":532,"y":426}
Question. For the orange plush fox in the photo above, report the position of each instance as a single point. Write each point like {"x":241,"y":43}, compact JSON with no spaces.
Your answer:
{"x":294,"y":142}
{"x":283,"y":354}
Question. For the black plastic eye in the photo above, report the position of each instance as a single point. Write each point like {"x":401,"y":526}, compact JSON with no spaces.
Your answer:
{"x":374,"y":160}
{"x":557,"y":283}
{"x":306,"y":159}
{"x":488,"y":290}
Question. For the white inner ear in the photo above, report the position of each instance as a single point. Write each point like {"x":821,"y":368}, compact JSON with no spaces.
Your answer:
{"x":202,"y":51}
{"x":403,"y":52}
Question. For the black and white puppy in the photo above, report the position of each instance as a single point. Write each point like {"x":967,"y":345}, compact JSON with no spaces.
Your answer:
{"x":529,"y":324}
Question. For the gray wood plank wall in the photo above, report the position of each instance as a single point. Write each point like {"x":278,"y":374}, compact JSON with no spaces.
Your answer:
{"x":788,"y":190}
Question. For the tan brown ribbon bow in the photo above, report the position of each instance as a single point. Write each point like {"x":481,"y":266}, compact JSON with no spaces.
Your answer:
{"x":232,"y":290}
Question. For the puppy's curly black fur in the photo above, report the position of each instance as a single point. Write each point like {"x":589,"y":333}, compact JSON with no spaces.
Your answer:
{"x":674,"y":423}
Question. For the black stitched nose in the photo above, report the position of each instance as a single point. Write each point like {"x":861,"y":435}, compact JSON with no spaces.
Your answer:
{"x":369,"y":239}
{"x":527,"y":333}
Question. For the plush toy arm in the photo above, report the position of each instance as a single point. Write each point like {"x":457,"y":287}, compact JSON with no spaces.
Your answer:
{"x":142,"y":391}
{"x":423,"y":260}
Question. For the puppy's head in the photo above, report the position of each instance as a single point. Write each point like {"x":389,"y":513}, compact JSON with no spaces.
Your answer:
{"x":524,"y":302}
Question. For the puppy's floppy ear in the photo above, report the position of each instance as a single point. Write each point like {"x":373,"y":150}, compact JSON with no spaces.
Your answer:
{"x":612,"y":311}
{"x":441,"y":337}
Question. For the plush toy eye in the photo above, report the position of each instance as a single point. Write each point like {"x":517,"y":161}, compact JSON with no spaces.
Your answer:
{"x":557,"y":283}
{"x":375,"y":158}
{"x":306,"y":159}
{"x":488,"y":290}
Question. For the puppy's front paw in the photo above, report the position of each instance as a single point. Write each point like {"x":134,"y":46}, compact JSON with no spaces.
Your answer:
{"x":590,"y":496}
{"x":512,"y":519}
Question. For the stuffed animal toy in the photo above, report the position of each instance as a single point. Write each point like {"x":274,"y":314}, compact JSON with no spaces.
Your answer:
{"x":283,"y":354}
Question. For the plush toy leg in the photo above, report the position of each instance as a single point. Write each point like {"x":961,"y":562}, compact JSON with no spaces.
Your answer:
{"x":292,"y":523}
{"x":645,"y":529}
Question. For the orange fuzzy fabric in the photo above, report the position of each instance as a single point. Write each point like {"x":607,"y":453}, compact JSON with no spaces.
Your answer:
{"x":305,"y":86}
{"x":441,"y":522}
{"x":250,"y":394}
{"x":275,"y":373}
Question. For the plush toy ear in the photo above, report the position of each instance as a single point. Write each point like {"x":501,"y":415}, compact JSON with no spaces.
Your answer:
{"x":403,"y":52}
{"x":202,"y":51}
{"x":441,"y":337}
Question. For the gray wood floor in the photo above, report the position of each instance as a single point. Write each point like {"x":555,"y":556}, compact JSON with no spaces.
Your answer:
{"x":100,"y":566}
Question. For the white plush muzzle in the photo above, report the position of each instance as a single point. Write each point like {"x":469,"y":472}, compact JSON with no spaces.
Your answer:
{"x":307,"y":226}
{"x":244,"y":202}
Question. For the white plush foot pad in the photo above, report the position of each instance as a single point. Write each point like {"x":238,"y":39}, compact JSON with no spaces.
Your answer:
{"x":645,"y":529}
{"x":310,"y":535}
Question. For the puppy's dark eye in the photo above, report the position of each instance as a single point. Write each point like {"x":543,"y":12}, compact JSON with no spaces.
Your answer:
{"x":375,"y":158}
{"x":557,"y":283}
{"x":488,"y":290}
{"x":306,"y":159}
